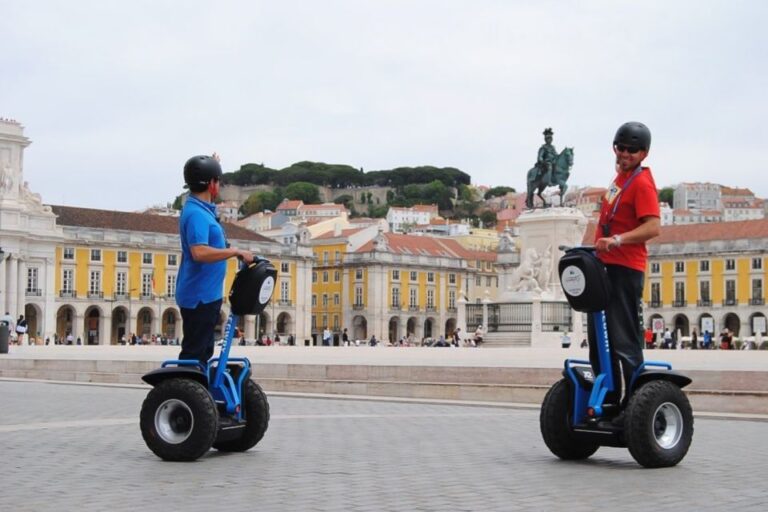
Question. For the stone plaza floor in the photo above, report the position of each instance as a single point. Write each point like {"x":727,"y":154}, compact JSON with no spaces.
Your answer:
{"x":78,"y":447}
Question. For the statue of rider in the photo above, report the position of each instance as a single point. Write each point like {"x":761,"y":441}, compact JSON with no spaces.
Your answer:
{"x":547,"y":156}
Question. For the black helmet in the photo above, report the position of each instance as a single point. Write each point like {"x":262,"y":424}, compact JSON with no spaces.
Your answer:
{"x":634,"y":135}
{"x":200,"y":170}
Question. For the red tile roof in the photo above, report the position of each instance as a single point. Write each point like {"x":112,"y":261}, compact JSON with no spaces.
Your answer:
{"x":344,"y":233}
{"x":289,"y":204}
{"x":738,"y":230}
{"x":143,"y":222}
{"x":421,"y":245}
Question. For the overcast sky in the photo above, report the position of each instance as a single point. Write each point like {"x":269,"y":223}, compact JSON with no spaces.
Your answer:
{"x":116,"y":95}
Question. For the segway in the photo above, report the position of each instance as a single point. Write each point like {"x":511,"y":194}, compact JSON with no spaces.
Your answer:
{"x":575,"y":419}
{"x":194,"y":406}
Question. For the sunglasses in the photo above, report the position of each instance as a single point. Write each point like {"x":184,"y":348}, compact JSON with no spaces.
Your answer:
{"x":620,"y":148}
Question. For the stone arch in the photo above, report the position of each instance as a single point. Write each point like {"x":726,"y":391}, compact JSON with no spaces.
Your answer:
{"x":411,"y":327}
{"x":284,"y":324}
{"x":144,"y":323}
{"x":65,"y":321}
{"x":119,"y":325}
{"x":706,"y":323}
{"x":681,"y":322}
{"x":732,"y":322}
{"x":429,"y":328}
{"x":169,"y":322}
{"x":359,"y":328}
{"x":450,"y":327}
{"x":760,"y":317}
{"x":33,"y":315}
{"x":92,"y":326}
{"x":394,"y":329}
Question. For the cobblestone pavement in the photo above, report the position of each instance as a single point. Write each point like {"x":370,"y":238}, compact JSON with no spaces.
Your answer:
{"x":68,"y":447}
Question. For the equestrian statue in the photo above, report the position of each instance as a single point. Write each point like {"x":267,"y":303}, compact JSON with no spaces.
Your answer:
{"x":551,"y":169}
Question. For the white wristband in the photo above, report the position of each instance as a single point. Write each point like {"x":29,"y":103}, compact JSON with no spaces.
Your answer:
{"x":617,"y":239}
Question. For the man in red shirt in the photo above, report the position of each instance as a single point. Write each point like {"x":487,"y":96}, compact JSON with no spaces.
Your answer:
{"x":629,"y":216}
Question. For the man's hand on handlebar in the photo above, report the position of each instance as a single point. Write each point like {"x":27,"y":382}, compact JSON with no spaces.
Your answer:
{"x":246,"y":257}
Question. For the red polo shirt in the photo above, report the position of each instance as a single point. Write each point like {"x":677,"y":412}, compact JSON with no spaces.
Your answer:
{"x":639,"y":200}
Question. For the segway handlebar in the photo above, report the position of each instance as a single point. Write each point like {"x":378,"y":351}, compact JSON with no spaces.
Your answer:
{"x":567,"y":248}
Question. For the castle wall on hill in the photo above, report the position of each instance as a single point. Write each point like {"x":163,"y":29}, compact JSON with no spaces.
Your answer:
{"x":327,"y":194}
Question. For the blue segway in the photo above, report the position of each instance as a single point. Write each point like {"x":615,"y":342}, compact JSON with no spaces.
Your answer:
{"x":194,"y":406}
{"x":575,"y":419}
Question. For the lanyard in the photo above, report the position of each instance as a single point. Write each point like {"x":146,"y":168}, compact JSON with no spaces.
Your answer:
{"x":618,"y":198}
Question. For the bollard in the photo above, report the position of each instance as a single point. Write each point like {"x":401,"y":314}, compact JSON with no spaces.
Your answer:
{"x":5,"y":335}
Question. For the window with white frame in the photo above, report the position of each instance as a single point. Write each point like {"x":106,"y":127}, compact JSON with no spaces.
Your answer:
{"x":32,"y":280}
{"x":69,"y":253}
{"x":704,"y":290}
{"x":146,"y":258}
{"x":730,"y":264}
{"x":95,"y":254}
{"x":730,"y":291}
{"x":655,"y":267}
{"x":172,"y":260}
{"x":122,"y":256}
{"x":314,"y":322}
{"x":336,"y":299}
{"x":478,"y":280}
{"x":358,"y":273}
{"x":336,"y":276}
{"x":396,"y":297}
{"x":67,"y":280}
{"x":452,"y":299}
{"x":121,"y":281}
{"x":336,"y":323}
{"x":412,"y":299}
{"x":325,"y":299}
{"x":656,"y":293}
{"x":170,"y":285}
{"x":146,"y":285}
{"x":314,"y":300}
{"x":430,"y":298}
{"x":451,"y":278}
{"x":704,"y":266}
{"x":679,"y":266}
{"x":757,"y":263}
{"x":358,"y":296}
{"x":94,"y":283}
{"x":325,"y":257}
{"x":284,"y":291}
{"x":414,"y":276}
{"x":314,"y":277}
{"x":285,"y":267}
{"x":679,"y":292}
{"x":325,"y":276}
{"x":430,"y":277}
{"x":338,"y":257}
{"x":757,"y":289}
{"x":395,"y":275}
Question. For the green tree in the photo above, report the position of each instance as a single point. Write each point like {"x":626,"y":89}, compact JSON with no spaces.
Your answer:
{"x":498,"y":192}
{"x":177,"y":204}
{"x":347,"y":200}
{"x":304,"y":191}
{"x":488,"y":219}
{"x":377,"y":211}
{"x":259,"y":201}
{"x":667,"y":195}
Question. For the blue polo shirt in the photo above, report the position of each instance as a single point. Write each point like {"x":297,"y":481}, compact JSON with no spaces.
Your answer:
{"x":199,"y":283}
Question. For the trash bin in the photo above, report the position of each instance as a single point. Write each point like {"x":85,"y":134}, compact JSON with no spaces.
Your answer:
{"x":5,"y":335}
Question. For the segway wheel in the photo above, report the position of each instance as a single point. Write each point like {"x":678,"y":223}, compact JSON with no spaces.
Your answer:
{"x":555,"y":424}
{"x":179,"y":420}
{"x":256,"y":414}
{"x":659,"y":424}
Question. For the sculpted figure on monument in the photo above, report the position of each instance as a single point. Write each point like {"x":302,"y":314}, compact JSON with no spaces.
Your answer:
{"x":524,"y":277}
{"x":551,"y":169}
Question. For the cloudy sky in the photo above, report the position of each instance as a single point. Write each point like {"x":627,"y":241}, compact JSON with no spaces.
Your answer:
{"x":116,"y":95}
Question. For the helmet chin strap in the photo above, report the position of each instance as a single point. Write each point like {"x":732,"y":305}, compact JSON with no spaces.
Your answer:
{"x":212,"y":190}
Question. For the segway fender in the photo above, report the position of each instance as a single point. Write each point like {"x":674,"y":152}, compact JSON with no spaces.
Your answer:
{"x":672,"y":376}
{"x":159,"y":375}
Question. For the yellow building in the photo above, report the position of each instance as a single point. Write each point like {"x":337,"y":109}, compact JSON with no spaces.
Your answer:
{"x":708,"y":277}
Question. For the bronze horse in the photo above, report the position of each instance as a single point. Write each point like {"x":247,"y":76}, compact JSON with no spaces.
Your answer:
{"x":558,"y":177}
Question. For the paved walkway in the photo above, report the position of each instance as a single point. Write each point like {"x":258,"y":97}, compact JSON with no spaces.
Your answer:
{"x":79,"y":448}
{"x":514,"y":357}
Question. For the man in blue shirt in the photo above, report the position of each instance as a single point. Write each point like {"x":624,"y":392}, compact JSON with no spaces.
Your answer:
{"x":204,"y":251}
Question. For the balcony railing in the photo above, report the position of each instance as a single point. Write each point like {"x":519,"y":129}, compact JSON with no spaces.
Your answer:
{"x":284,"y":302}
{"x":413,"y":307}
{"x":679,"y":303}
{"x":730,"y":302}
{"x":704,"y":303}
{"x":756,"y":302}
{"x":358,"y":307}
{"x":431,"y":309}
{"x":655,"y":304}
{"x":34,"y":292}
{"x":67,"y":294}
{"x":451,"y":309}
{"x":95,"y":295}
{"x":146,"y":296}
{"x":395,"y":307}
{"x":120,"y":296}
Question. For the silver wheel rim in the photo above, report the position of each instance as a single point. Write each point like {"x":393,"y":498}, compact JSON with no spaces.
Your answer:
{"x":667,"y":425}
{"x":174,"y":421}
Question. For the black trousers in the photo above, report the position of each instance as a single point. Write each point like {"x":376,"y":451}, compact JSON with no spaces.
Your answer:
{"x":199,"y":324}
{"x":625,"y":329}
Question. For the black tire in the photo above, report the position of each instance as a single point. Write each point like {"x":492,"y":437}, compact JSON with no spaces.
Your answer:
{"x":256,"y":414}
{"x":554,"y":422}
{"x":658,"y":424}
{"x":179,"y":420}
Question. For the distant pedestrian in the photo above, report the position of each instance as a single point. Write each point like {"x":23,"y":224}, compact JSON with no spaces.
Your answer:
{"x":345,"y":338}
{"x":326,"y":337}
{"x":694,"y":340}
